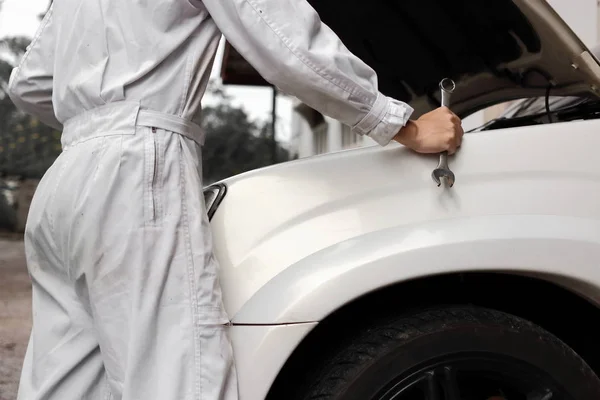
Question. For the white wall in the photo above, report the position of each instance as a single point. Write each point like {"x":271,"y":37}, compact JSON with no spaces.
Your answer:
{"x":334,"y":135}
{"x":301,"y":141}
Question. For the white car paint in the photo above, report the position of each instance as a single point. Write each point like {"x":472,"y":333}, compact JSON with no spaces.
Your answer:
{"x":282,"y":215}
{"x":260,"y":353}
{"x":299,"y":240}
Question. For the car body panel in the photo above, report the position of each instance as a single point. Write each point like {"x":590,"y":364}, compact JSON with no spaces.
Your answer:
{"x":260,"y":353}
{"x":547,"y":247}
{"x":278,"y":217}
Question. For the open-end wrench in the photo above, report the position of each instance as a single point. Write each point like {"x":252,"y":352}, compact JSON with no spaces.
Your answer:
{"x":442,"y":172}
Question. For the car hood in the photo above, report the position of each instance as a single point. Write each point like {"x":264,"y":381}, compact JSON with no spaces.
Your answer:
{"x":495,"y":50}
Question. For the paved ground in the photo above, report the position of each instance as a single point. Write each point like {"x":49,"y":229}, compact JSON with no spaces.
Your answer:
{"x":15,"y":315}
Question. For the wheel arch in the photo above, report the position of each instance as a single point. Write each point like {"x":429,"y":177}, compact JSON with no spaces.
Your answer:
{"x":540,"y":301}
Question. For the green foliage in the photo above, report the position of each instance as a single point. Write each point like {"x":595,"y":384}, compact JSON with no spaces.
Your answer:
{"x":234,"y":144}
{"x":8,"y":216}
{"x":27,"y":147}
{"x":15,"y":46}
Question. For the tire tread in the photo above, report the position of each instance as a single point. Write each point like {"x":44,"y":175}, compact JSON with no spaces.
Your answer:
{"x":361,"y":350}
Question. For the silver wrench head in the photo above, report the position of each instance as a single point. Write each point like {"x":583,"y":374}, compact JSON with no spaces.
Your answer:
{"x":447,"y":85}
{"x":439,"y":174}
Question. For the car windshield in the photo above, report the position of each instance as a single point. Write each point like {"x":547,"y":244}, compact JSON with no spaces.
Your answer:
{"x":533,"y":111}
{"x":537,"y":105}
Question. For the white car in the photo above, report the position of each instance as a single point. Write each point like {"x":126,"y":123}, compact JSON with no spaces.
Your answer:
{"x":353,"y":276}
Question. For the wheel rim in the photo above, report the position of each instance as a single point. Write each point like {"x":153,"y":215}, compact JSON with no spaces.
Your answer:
{"x":474,"y":376}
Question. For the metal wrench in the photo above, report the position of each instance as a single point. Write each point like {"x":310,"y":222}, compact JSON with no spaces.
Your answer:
{"x":442,"y":171}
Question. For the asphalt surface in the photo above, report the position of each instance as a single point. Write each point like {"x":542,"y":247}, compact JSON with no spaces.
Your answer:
{"x":15,"y":315}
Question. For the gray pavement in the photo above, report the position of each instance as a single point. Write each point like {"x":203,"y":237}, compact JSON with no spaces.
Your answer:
{"x":15,"y":315}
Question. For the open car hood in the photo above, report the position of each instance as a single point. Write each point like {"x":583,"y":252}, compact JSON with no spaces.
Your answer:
{"x":495,"y":50}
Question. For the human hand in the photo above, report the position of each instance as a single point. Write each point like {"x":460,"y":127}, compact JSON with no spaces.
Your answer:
{"x":434,"y":132}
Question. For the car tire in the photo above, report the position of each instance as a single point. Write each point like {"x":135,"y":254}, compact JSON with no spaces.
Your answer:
{"x":370,"y":364}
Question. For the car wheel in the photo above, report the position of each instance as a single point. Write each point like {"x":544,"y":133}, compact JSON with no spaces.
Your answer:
{"x":460,"y":353}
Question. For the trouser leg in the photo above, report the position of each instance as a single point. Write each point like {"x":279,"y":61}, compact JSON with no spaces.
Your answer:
{"x":63,"y":359}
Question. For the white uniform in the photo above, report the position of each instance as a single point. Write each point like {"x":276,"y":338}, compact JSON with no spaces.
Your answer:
{"x":126,"y":295}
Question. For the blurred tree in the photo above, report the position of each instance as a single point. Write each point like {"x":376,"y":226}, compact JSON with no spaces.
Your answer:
{"x":27,"y":147}
{"x":8,"y":216}
{"x":11,"y":50}
{"x":234,"y":144}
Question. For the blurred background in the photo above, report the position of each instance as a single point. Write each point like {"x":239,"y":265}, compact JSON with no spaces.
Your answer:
{"x":248,"y":123}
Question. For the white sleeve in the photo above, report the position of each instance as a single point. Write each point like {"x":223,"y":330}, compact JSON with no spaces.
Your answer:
{"x":289,"y":45}
{"x":30,"y":84}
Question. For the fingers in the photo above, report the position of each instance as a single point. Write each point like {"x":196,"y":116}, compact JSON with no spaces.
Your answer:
{"x":457,"y":132}
{"x":441,"y":131}
{"x":460,"y":134}
{"x":454,"y":118}
{"x":451,"y":141}
{"x":455,"y":136}
{"x":452,"y":145}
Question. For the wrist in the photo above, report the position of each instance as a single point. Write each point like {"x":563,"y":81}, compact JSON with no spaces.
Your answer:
{"x":407,"y":133}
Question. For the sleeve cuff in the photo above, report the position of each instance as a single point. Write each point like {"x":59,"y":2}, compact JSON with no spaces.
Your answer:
{"x":384,"y":120}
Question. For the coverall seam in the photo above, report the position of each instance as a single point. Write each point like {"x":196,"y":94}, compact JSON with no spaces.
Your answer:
{"x":100,"y":95}
{"x":103,"y":148}
{"x":108,"y":395}
{"x":188,"y":73}
{"x":187,"y":84}
{"x":307,"y":63}
{"x":97,"y":137}
{"x":34,"y":41}
{"x":51,"y":200}
{"x":190,"y":272}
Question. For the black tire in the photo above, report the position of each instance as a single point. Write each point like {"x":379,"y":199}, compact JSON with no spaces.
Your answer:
{"x":364,"y":367}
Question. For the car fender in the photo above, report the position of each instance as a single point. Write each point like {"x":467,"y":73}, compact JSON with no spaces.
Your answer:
{"x":562,"y":249}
